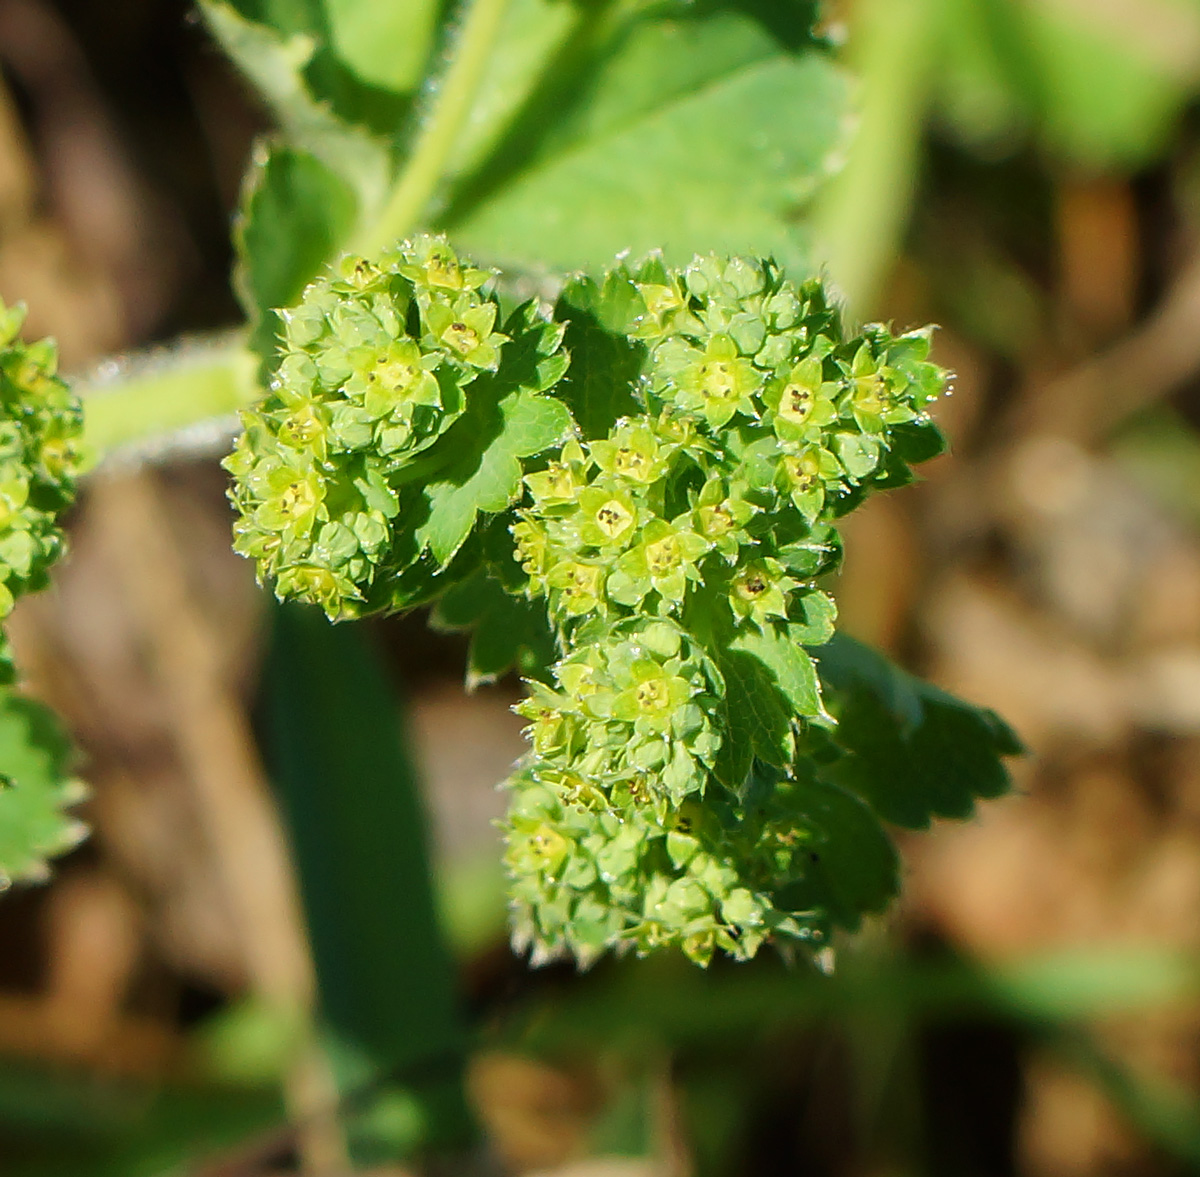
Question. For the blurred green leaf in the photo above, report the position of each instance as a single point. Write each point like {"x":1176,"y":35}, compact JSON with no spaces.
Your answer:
{"x":862,"y":214}
{"x":295,"y":213}
{"x":1163,"y":1109}
{"x":275,"y":59}
{"x":531,"y":36}
{"x":769,"y":679}
{"x":386,"y":45}
{"x":473,"y":900}
{"x":1108,"y":102}
{"x":915,"y":751}
{"x":59,"y":1124}
{"x":1102,"y":88}
{"x":338,"y":756}
{"x":250,"y":1043}
{"x":368,"y":84}
{"x":664,"y":1001}
{"x":653,"y":150}
{"x":36,"y":789}
{"x":853,"y":867}
{"x":759,"y":718}
{"x":163,"y":392}
{"x":507,"y":631}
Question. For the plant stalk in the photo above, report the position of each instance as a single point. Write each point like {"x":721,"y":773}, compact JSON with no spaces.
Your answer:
{"x":450,"y":106}
{"x":166,"y":401}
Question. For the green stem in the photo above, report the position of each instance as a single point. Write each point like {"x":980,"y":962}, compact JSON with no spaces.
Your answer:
{"x":166,"y":393}
{"x":862,"y":216}
{"x":451,"y":105}
{"x":148,"y":402}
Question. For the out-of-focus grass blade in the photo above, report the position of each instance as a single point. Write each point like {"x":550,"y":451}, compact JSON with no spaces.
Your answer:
{"x":666,"y":1001}
{"x":1164,"y":1111}
{"x":338,"y":756}
{"x":55,"y":1124}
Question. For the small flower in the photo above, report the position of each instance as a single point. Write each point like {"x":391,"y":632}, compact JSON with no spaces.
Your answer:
{"x":721,"y":515}
{"x":652,"y":699}
{"x":632,"y":452}
{"x":291,"y":499}
{"x":717,"y":382}
{"x":801,"y":400}
{"x":760,"y":591}
{"x":464,"y":329}
{"x":871,"y":398}
{"x":536,"y":848}
{"x":430,"y":263}
{"x":607,"y":517}
{"x":561,"y":481}
{"x":804,"y":477}
{"x":577,"y":586}
{"x":533,"y":551}
{"x":664,"y":561}
{"x":305,"y":426}
{"x":317,"y":585}
{"x":393,"y":378}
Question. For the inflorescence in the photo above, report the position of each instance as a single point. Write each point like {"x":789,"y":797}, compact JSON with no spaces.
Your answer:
{"x":375,"y":365}
{"x":672,"y":794}
{"x":40,"y":453}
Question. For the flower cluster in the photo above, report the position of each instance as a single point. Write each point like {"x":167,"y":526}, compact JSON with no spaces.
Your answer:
{"x":590,"y":875}
{"x":376,"y":363}
{"x":672,"y":795}
{"x":695,"y":528}
{"x":40,"y":455}
{"x":632,"y":718}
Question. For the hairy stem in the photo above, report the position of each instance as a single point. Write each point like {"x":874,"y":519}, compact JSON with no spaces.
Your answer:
{"x":864,"y":210}
{"x":153,"y":402}
{"x":450,"y":106}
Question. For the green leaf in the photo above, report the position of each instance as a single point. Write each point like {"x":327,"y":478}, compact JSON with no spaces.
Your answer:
{"x":35,"y":789}
{"x":1108,"y":102}
{"x":697,"y":134}
{"x":853,"y":868}
{"x":350,"y":796}
{"x":599,"y":385}
{"x":352,"y":78}
{"x":386,"y":45}
{"x":506,"y":420}
{"x":915,"y":752}
{"x":790,"y":667}
{"x":758,"y":721}
{"x":507,"y":631}
{"x":528,"y":51}
{"x":295,"y":213}
{"x":276,"y":62}
{"x":488,"y":477}
{"x":770,"y":684}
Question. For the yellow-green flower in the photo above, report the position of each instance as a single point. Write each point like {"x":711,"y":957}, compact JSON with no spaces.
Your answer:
{"x":464,"y":329}
{"x":653,"y":697}
{"x":607,"y":517}
{"x":801,"y":400}
{"x":718,"y":382}
{"x":578,"y":586}
{"x":632,"y":452}
{"x":760,"y":591}
{"x":561,"y":481}
{"x":664,"y":561}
